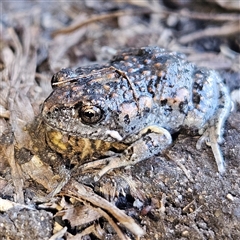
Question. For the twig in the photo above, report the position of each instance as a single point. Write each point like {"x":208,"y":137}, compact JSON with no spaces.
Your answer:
{"x":114,"y":225}
{"x":59,"y":234}
{"x":85,"y":194}
{"x":86,"y":231}
{"x":4,"y":113}
{"x":188,"y":206}
{"x":93,"y":19}
{"x":186,"y":172}
{"x":208,"y":16}
{"x":192,"y":15}
{"x":5,"y":205}
{"x":225,"y":30}
{"x":16,"y":174}
{"x":163,"y":202}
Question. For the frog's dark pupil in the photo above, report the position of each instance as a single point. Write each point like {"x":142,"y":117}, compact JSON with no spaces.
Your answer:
{"x":89,"y":114}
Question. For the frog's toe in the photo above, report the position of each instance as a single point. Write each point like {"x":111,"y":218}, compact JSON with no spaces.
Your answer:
{"x":203,"y":139}
{"x":112,"y":163}
{"x":212,"y":139}
{"x":218,"y":157}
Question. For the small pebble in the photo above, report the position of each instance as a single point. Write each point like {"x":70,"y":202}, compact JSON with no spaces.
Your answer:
{"x":230,"y":197}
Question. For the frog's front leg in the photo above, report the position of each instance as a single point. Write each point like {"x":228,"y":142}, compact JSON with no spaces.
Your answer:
{"x":151,"y":141}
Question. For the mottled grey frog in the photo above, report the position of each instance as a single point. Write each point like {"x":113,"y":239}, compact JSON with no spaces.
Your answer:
{"x":133,"y":104}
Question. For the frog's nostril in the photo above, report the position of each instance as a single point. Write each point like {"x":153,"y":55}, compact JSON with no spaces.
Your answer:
{"x":49,"y":113}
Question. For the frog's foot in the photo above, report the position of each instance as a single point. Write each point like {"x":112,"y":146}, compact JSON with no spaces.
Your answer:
{"x":212,"y":139}
{"x":153,"y":140}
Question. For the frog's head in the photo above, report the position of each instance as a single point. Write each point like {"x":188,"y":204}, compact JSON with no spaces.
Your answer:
{"x":90,"y":108}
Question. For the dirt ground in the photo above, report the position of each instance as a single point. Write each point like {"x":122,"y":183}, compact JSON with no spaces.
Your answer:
{"x":178,"y":195}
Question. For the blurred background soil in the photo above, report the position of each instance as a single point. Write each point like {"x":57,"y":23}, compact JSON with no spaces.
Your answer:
{"x":181,"y":196}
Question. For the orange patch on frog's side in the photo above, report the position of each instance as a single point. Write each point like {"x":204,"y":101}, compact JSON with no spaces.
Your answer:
{"x":129,"y":109}
{"x":182,"y":95}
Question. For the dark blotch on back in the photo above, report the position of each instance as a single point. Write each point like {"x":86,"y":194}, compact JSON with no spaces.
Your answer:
{"x":163,"y":102}
{"x":126,"y":119}
{"x":196,"y":98}
{"x":183,"y":107}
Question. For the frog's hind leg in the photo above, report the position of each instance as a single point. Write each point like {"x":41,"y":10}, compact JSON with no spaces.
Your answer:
{"x":225,"y":107}
{"x":212,"y":133}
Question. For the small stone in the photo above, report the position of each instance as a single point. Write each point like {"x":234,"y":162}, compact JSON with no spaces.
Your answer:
{"x":230,"y":197}
{"x":217,"y":213}
{"x":137,"y":203}
{"x":185,"y":233}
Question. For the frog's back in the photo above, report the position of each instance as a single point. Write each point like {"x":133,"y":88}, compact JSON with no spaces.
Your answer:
{"x":175,"y":85}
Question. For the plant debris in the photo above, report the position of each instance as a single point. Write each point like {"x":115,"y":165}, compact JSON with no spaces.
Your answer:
{"x":178,"y":196}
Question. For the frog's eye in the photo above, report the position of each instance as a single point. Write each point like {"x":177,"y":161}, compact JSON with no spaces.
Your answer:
{"x":90,"y":114}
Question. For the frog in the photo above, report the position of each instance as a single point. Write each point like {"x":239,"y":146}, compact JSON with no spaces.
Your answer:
{"x":136,"y":101}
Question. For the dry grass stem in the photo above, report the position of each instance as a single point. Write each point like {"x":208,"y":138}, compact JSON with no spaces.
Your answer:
{"x":85,"y":194}
{"x":225,"y":30}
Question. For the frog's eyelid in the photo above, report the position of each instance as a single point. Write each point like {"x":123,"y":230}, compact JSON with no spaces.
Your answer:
{"x":93,"y":74}
{"x":73,"y":79}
